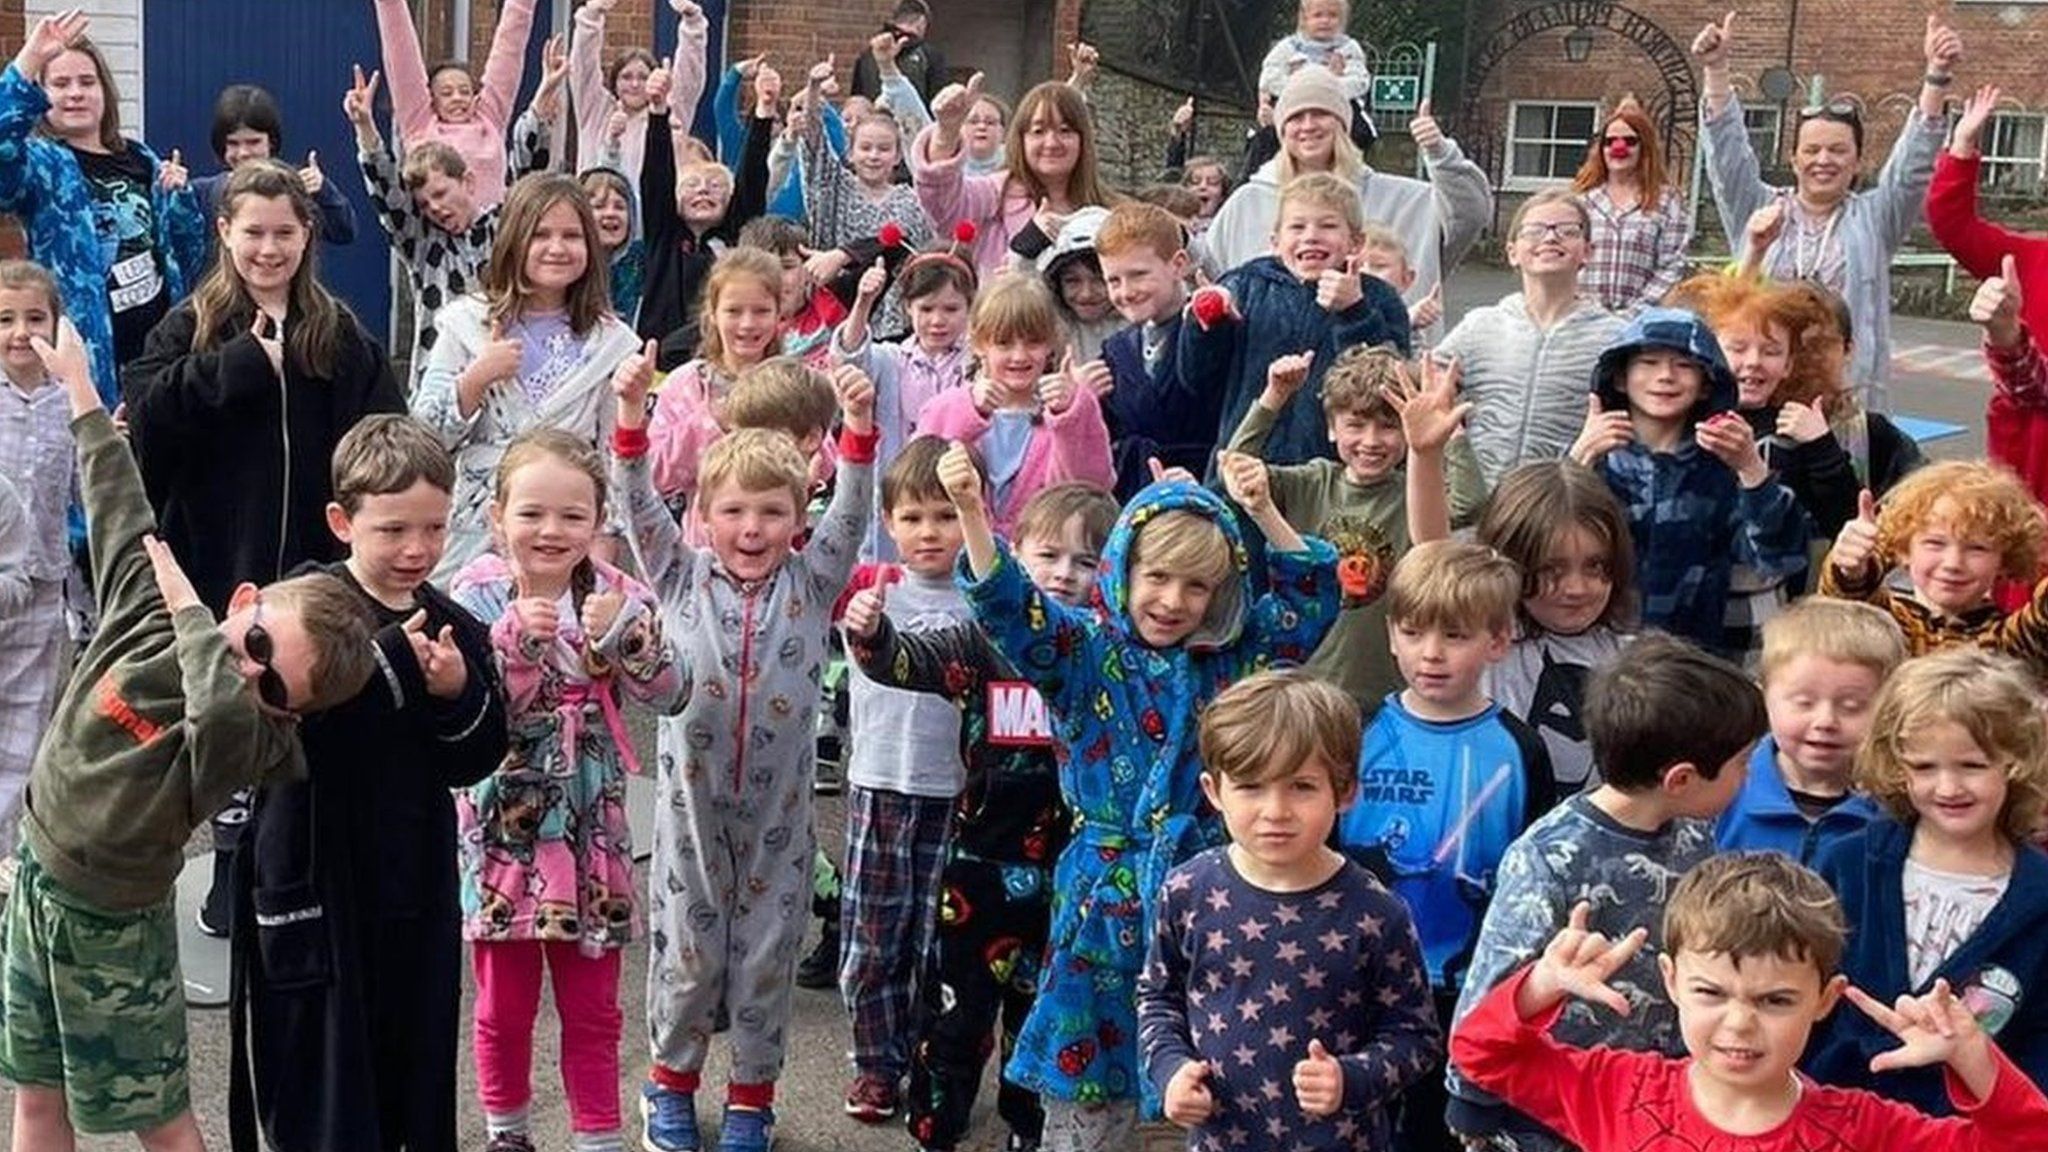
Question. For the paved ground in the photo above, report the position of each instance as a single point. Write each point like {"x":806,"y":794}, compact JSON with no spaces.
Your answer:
{"x":1937,"y":376}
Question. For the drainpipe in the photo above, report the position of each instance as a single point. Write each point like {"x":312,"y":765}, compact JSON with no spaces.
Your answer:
{"x":458,"y":31}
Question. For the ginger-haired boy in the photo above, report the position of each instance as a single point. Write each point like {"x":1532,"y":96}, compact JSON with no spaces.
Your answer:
{"x":1306,"y":1030}
{"x":1823,"y":662}
{"x":1958,"y":528}
{"x":1154,"y":410}
{"x":1671,"y":729}
{"x":1751,"y":944}
{"x":1359,"y":501}
{"x":733,"y":835}
{"x":166,"y":714}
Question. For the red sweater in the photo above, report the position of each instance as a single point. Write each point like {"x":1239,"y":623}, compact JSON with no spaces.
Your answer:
{"x":1605,"y":1100}
{"x":2016,"y":432}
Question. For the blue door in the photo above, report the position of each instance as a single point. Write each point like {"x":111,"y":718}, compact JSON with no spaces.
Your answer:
{"x":304,"y":62}
{"x":714,"y":56}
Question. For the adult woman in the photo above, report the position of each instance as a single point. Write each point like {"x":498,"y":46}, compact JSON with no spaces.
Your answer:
{"x":1049,"y":172}
{"x":1834,"y":234}
{"x":599,"y":93}
{"x":1640,"y":223}
{"x":1437,"y":219}
{"x":120,"y":230}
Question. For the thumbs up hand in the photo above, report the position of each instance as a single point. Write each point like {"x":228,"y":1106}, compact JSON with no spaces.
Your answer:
{"x":630,"y":383}
{"x":1339,"y":288}
{"x":311,"y":176}
{"x":1319,"y":1081}
{"x":864,"y":611}
{"x":170,"y":174}
{"x":1997,"y":303}
{"x":1856,"y":544}
{"x":1187,"y":1098}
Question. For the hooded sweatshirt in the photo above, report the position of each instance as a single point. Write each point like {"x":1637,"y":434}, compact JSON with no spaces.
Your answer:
{"x":1076,"y":242}
{"x":629,"y":260}
{"x":1691,"y":520}
{"x":1124,"y":714}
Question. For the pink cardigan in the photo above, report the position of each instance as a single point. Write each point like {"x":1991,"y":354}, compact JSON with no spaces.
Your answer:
{"x":481,"y":139}
{"x":998,"y":208}
{"x":1070,"y":445}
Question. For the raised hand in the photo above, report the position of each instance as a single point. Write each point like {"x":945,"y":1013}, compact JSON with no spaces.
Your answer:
{"x":884,"y":47}
{"x":864,"y":611}
{"x":954,"y":101}
{"x":856,"y":398}
{"x":497,"y":359}
{"x":171,"y":581}
{"x":874,"y":281}
{"x":631,"y":381}
{"x":1339,"y":288}
{"x":1977,"y":112}
{"x":1211,"y":304}
{"x":66,"y":361}
{"x":1733,"y":442}
{"x":1712,"y":45}
{"x":1933,"y":1029}
{"x":1056,"y":389}
{"x":1430,"y":411}
{"x":1425,"y":313}
{"x":1245,"y":481}
{"x":1082,"y":61}
{"x":49,"y":39}
{"x":615,"y":127}
{"x":1161,"y":474}
{"x":1048,"y":221}
{"x":311,"y":175}
{"x":601,"y":611}
{"x":960,"y":478}
{"x":1094,"y":376}
{"x":1997,"y":305}
{"x":767,"y":89}
{"x":659,"y":83}
{"x":821,"y":72}
{"x":440,"y":660}
{"x":1319,"y":1081}
{"x":1579,"y":962}
{"x":1602,"y":433}
{"x":554,"y":69}
{"x":269,"y":337}
{"x":688,"y":11}
{"x":1765,"y":225}
{"x":1187,"y":1100}
{"x":1942,"y":45}
{"x":1284,"y":377}
{"x":1425,"y":131}
{"x":1855,"y":545}
{"x":360,"y":102}
{"x":1184,"y":117}
{"x":823,"y":267}
{"x":752,"y":64}
{"x":171,"y":174}
{"x":1803,"y":423}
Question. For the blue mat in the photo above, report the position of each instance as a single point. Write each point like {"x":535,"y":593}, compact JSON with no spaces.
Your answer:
{"x":1923,"y":430}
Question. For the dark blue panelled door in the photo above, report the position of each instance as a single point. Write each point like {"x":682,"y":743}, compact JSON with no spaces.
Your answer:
{"x":301,"y":52}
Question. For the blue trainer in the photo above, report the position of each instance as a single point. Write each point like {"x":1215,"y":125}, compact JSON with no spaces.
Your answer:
{"x":747,"y":1130}
{"x":671,"y":1120}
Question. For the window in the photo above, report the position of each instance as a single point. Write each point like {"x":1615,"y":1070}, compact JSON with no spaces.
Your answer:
{"x":1764,"y":126}
{"x":2012,"y":154}
{"x":1547,"y":141}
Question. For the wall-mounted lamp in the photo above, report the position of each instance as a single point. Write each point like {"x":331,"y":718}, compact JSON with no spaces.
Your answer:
{"x":1578,"y":44}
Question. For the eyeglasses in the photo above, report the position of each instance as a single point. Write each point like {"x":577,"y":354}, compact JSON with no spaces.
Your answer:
{"x":270,"y":687}
{"x":1534,"y":232}
{"x":1626,"y":143}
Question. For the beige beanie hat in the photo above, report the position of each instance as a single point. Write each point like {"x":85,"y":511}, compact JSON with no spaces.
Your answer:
{"x":1314,"y":86}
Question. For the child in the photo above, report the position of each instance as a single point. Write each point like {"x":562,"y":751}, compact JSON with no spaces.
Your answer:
{"x":1071,"y":268}
{"x":902,"y":778}
{"x":349,"y":867}
{"x":1152,"y":411}
{"x":1525,"y":361}
{"x":1662,"y":431}
{"x":611,"y":101}
{"x":937,"y":289}
{"x":1823,"y":663}
{"x":1751,"y":941}
{"x":117,"y":228}
{"x":1318,"y":41}
{"x":1950,"y":889}
{"x":740,"y":328}
{"x":1306,"y":297}
{"x":1447,"y":778}
{"x":547,"y":857}
{"x":1359,"y":501}
{"x":694,"y":210}
{"x":1008,"y":825}
{"x":1123,"y":686}
{"x":807,"y":312}
{"x":1957,"y":528}
{"x":37,"y":455}
{"x":265,"y":358}
{"x":1567,"y":534}
{"x":165,"y":716}
{"x":1033,"y":425}
{"x":845,"y":202}
{"x":1671,"y":729}
{"x":1384,"y":254}
{"x":248,"y":126}
{"x":1274,"y":960}
{"x":532,"y":351}
{"x":446,"y":105}
{"x":617,"y":212}
{"x":733,"y":841}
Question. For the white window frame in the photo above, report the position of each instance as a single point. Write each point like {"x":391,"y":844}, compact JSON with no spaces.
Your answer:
{"x":1768,"y":157}
{"x":1513,"y":181}
{"x":1993,"y":163}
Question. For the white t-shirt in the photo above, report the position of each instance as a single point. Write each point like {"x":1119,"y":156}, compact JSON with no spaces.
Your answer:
{"x":1942,"y":910}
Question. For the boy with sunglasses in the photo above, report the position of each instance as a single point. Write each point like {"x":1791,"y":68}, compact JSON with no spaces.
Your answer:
{"x":166,"y":714}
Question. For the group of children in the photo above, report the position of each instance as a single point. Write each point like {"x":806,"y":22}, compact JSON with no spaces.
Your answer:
{"x":1248,"y":720}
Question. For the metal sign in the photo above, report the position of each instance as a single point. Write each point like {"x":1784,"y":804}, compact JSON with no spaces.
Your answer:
{"x":1396,"y":93}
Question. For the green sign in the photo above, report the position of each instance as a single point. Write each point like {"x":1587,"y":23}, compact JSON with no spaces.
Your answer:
{"x":1396,"y":93}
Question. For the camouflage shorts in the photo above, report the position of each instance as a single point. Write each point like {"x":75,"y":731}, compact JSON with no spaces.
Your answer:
{"x":93,"y":1004}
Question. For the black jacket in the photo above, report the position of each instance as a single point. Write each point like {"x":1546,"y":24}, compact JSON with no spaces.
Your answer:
{"x":678,"y":259}
{"x":347,"y":970}
{"x":921,"y":64}
{"x":235,"y":459}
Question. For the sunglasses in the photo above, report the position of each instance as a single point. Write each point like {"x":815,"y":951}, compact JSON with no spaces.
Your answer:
{"x":270,"y":687}
{"x":1625,"y":143}
{"x":1840,"y":111}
